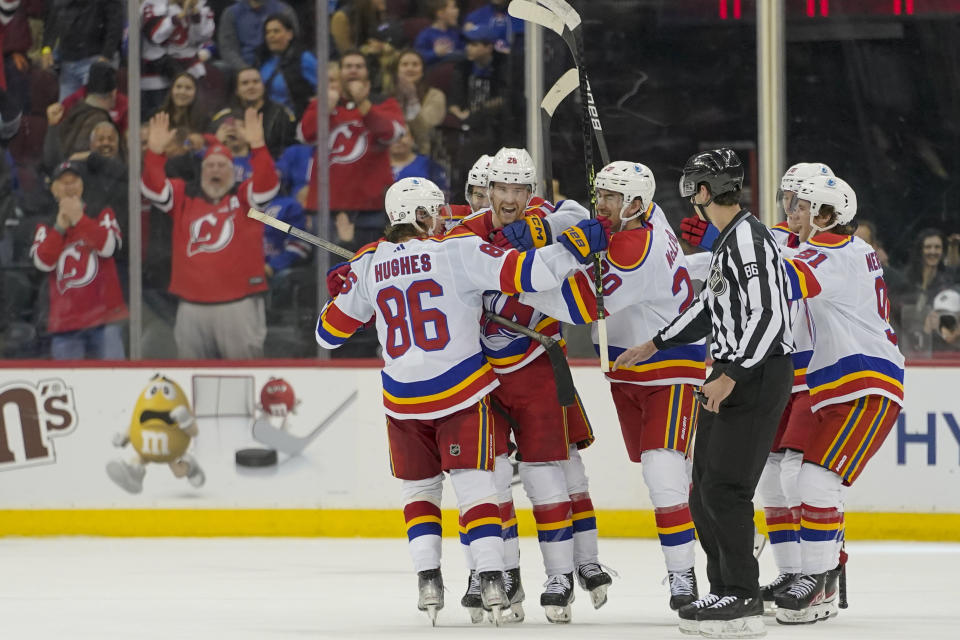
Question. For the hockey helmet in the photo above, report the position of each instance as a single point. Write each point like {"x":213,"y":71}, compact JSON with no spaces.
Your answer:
{"x":720,"y":169}
{"x":512,"y":166}
{"x":407,"y":196}
{"x":630,"y":179}
{"x":477,"y":176}
{"x":823,"y":190}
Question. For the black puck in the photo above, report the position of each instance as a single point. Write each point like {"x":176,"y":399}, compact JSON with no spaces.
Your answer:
{"x":256,"y":457}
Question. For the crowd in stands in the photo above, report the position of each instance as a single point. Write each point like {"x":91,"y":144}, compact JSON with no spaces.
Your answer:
{"x":415,"y":88}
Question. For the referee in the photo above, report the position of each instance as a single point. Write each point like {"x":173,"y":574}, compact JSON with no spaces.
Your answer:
{"x":743,"y":308}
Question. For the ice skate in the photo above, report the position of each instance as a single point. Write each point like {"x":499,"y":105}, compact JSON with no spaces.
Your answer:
{"x":594,"y":579}
{"x":688,"y":613}
{"x":733,"y":617}
{"x":769,"y":592}
{"x":683,"y":588}
{"x":831,"y":589}
{"x":798,"y":604}
{"x":471,"y":599}
{"x":514,"y":589}
{"x":430,"y":583}
{"x":557,"y":597}
{"x":492,"y":595}
{"x":126,"y":475}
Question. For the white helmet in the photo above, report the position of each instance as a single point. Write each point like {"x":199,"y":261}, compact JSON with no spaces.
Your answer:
{"x":802,"y":171}
{"x":513,"y":166}
{"x":828,"y":190}
{"x":477,"y":177}
{"x":406,"y":196}
{"x":630,"y":179}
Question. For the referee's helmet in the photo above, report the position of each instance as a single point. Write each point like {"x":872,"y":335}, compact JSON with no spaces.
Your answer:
{"x":720,"y":169}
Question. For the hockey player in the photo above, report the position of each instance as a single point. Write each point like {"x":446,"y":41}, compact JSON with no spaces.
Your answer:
{"x":426,"y":295}
{"x":547,"y":435}
{"x":645,"y":285}
{"x":855,"y":376}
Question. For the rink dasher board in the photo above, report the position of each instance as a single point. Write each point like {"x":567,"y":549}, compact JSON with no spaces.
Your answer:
{"x":57,"y":422}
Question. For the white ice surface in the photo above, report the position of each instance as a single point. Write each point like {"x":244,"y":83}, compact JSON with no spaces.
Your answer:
{"x":265,"y":589}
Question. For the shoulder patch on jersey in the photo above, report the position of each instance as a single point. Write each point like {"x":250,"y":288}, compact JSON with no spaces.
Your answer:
{"x":781,"y":226}
{"x":628,"y":250}
{"x":830,"y":240}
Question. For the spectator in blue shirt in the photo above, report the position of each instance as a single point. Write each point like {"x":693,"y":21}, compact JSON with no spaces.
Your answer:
{"x":294,"y":167}
{"x":406,"y":163}
{"x":289,"y":71}
{"x":282,"y":250}
{"x":441,"y":41}
{"x":494,"y":17}
{"x":240,"y":30}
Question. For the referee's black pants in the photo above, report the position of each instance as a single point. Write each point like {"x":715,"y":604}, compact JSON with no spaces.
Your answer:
{"x":730,"y":452}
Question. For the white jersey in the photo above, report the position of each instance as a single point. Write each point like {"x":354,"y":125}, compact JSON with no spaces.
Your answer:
{"x":645,"y":285}
{"x":505,"y":349}
{"x":426,"y":296}
{"x":799,"y":317}
{"x":855,"y":350}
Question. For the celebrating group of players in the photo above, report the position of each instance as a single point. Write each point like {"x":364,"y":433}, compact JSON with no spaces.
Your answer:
{"x":457,"y":386}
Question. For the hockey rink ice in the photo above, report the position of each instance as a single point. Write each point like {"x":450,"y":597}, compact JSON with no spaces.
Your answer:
{"x":288,"y":588}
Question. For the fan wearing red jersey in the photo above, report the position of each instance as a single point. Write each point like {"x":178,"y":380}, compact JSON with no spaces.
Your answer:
{"x":86,"y":302}
{"x":855,"y":376}
{"x":425,"y":293}
{"x":646,"y":282}
{"x":547,"y":435}
{"x":218,"y":265}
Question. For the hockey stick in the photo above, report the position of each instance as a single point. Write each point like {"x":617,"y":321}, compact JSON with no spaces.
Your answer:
{"x":288,"y":443}
{"x":563,"y":87}
{"x":558,"y":361}
{"x":566,"y":392}
{"x":552,"y":15}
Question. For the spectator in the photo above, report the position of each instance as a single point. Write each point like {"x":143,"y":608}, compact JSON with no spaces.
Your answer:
{"x":240,"y":30}
{"x":218,"y":264}
{"x":279,"y":124}
{"x":362,"y":128}
{"x":173,"y":33}
{"x":441,"y":41}
{"x":290,"y":70}
{"x":14,"y":67}
{"x":282,"y":250}
{"x":69,"y":132}
{"x":424,"y":107}
{"x":118,"y":112}
{"x":925,"y":276}
{"x":229,"y":135}
{"x":364,"y":26}
{"x":83,"y":31}
{"x":104,"y":173}
{"x":408,"y":164}
{"x":86,"y":302}
{"x":294,"y":167}
{"x":479,"y":97}
{"x":505,"y":29}
{"x":894,"y":278}
{"x":942,"y":323}
{"x":181,"y":105}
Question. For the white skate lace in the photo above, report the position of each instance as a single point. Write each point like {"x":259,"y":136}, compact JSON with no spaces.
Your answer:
{"x":722,"y":602}
{"x":802,"y":587}
{"x":780,"y":580}
{"x":706,"y":601}
{"x":681,"y":582}
{"x":557,"y":584}
{"x":507,"y":582}
{"x":474,"y":587}
{"x":590,"y":569}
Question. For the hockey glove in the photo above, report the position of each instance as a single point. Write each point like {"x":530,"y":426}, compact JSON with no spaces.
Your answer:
{"x":585,"y":239}
{"x":533,"y":232}
{"x":699,"y":233}
{"x":336,"y":276}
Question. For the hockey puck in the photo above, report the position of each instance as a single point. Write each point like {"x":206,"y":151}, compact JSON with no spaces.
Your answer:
{"x":256,"y":457}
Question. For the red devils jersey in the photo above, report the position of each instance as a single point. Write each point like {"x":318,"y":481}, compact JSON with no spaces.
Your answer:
{"x":84,"y":288}
{"x":359,"y":154}
{"x":217,"y":250}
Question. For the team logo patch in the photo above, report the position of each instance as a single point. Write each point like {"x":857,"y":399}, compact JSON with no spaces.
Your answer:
{"x":716,"y":282}
{"x":454,"y":449}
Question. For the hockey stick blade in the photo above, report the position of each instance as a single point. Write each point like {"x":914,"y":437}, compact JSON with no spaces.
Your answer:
{"x":532,"y":12}
{"x":564,"y":86}
{"x":563,"y":10}
{"x":316,"y":241}
{"x":288,"y":443}
{"x":566,"y":392}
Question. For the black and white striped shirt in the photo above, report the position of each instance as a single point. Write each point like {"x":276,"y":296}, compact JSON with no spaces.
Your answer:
{"x":743,"y":305}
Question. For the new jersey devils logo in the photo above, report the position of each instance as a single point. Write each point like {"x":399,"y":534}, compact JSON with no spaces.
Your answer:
{"x":209,"y":234}
{"x":76,"y":267}
{"x":348,"y":143}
